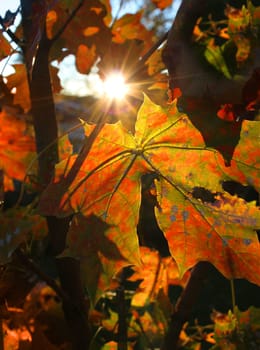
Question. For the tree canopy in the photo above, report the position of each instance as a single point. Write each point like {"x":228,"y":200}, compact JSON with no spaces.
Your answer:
{"x":178,"y":156}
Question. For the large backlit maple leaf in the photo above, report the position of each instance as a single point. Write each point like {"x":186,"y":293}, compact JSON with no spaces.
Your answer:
{"x":201,"y":221}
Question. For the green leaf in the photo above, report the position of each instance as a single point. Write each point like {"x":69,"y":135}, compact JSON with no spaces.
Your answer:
{"x":237,"y":329}
{"x":214,"y":55}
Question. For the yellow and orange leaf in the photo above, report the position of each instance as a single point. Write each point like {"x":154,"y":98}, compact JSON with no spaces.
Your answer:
{"x":129,"y":27}
{"x":200,"y":220}
{"x":156,"y":274}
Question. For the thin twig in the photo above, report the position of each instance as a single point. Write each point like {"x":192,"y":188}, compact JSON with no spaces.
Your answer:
{"x":233,"y":294}
{"x":122,"y":323}
{"x":84,"y":151}
{"x":69,"y":19}
{"x":150,"y":344}
{"x":12,"y":36}
{"x":149,"y":53}
{"x":141,"y":63}
{"x":33,"y":267}
{"x":117,"y":14}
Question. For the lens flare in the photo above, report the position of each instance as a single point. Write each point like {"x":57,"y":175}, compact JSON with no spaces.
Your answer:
{"x":115,"y":87}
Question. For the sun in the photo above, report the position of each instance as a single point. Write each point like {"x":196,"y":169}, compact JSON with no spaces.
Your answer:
{"x":115,"y":86}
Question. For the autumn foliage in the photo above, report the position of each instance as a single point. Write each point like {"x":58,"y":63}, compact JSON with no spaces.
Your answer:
{"x":185,"y":155}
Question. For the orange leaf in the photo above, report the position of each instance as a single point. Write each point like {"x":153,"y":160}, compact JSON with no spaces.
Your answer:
{"x":129,"y":27}
{"x":18,"y":80}
{"x":90,"y":31}
{"x":5,"y":47}
{"x":51,"y":19}
{"x":156,"y":274}
{"x":161,"y":4}
{"x":85,"y":58}
{"x":199,"y":218}
{"x":16,"y":147}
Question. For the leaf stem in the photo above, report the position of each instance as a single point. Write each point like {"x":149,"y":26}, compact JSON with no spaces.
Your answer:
{"x":122,"y":315}
{"x":233,"y":294}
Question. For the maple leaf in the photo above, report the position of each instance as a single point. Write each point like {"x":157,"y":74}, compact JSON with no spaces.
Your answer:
{"x":129,"y":27}
{"x":18,"y":80}
{"x":101,"y":249}
{"x":86,"y":35}
{"x":156,"y":274}
{"x":17,"y":147}
{"x":201,"y":221}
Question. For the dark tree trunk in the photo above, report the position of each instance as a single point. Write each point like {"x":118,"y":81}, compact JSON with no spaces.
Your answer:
{"x":46,"y":135}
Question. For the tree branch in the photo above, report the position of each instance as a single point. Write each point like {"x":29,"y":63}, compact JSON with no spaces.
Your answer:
{"x":184,"y":305}
{"x":46,"y":134}
{"x":12,"y":36}
{"x":141,"y":63}
{"x":31,"y":266}
{"x":122,"y":318}
{"x":69,"y":19}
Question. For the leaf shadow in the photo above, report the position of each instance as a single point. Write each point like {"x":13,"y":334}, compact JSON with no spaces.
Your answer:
{"x":217,"y":133}
{"x":100,"y":256}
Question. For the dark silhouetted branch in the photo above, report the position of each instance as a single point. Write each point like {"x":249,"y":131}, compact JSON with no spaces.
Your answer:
{"x":69,"y":19}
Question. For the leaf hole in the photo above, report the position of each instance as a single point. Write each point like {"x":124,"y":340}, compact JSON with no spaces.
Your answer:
{"x":247,"y":192}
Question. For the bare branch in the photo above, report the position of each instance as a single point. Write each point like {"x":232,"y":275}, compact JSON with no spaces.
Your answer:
{"x":141,"y":63}
{"x":12,"y":36}
{"x":31,"y":266}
